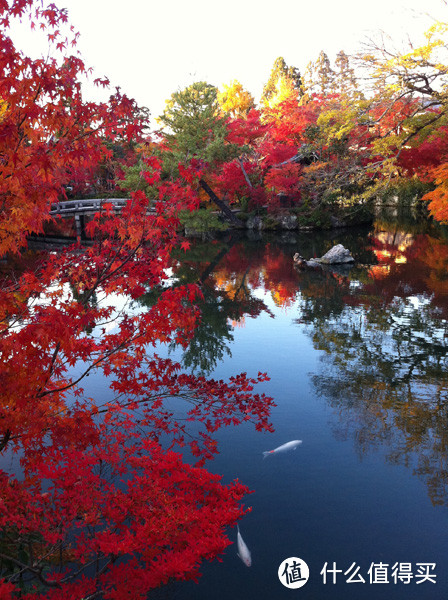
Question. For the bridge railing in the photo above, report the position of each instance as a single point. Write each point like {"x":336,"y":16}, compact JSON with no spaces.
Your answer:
{"x":85,"y":205}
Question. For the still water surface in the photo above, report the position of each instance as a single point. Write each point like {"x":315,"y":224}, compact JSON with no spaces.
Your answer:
{"x":357,"y":361}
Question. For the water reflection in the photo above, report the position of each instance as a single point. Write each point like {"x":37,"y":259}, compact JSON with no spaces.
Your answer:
{"x":385,"y":365}
{"x":381,"y":329}
{"x":227,"y":281}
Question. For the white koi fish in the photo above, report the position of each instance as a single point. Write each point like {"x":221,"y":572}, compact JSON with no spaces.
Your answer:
{"x":283,"y":448}
{"x":243,"y":550}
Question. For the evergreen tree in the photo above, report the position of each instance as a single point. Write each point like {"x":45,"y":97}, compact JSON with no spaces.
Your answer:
{"x":192,"y":121}
{"x":324,"y":74}
{"x":309,"y":82}
{"x":293,"y":74}
{"x":280,"y":70}
{"x":344,"y":79}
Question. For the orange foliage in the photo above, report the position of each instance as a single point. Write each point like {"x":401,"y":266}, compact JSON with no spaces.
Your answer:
{"x":438,"y":198}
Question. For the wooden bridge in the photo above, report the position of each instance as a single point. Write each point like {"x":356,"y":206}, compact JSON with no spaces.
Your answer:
{"x":71,"y":208}
{"x":81,"y":208}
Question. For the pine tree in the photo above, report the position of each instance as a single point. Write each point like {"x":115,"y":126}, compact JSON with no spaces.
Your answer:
{"x":193,"y":125}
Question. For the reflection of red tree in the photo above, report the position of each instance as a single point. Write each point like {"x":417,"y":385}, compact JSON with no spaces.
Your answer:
{"x":279,"y":276}
{"x":244,"y":268}
{"x":240,"y":323}
{"x":267,"y":267}
{"x":409,"y":265}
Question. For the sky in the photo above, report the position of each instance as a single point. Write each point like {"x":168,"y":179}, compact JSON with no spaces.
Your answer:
{"x":152,"y":48}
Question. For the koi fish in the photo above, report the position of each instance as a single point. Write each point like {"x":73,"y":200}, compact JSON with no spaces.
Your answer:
{"x":283,"y":448}
{"x":243,"y":550}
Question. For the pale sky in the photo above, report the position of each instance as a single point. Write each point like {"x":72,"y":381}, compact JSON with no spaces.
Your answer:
{"x":152,"y":48}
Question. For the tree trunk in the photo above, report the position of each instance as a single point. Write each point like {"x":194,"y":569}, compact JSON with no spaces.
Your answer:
{"x":246,"y":177}
{"x":222,"y":205}
{"x":214,"y":263}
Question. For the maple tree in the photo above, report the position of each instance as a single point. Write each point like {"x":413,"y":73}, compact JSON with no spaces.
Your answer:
{"x":319,"y":142}
{"x":300,"y":149}
{"x":101,"y":494}
{"x":410,"y":111}
{"x":47,"y":132}
{"x":97,"y":496}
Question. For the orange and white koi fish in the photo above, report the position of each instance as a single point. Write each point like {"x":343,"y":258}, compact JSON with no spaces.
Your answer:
{"x":283,"y":448}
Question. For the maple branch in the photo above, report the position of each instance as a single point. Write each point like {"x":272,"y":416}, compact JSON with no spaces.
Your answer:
{"x":101,"y":279}
{"x":92,"y":366}
{"x":32,"y":569}
{"x":5,"y":440}
{"x":51,"y":365}
{"x":420,"y":128}
{"x":388,"y":109}
{"x":85,"y":566}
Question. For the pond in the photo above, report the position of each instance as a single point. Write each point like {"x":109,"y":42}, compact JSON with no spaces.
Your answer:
{"x":357,"y":366}
{"x":357,"y":360}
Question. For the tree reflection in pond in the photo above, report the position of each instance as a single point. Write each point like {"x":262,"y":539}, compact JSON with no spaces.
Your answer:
{"x":381,"y":328}
{"x":385,"y":355}
{"x":227,"y":298}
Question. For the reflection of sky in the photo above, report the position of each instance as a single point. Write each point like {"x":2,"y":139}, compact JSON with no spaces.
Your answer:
{"x":418,"y":302}
{"x":323,"y":501}
{"x":121,"y":304}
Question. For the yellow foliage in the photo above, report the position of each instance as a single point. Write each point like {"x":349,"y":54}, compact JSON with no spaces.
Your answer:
{"x":235,"y":100}
{"x":425,"y":64}
{"x":284,"y":90}
{"x":3,"y":109}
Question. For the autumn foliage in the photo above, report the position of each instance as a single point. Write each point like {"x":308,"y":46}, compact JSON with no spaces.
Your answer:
{"x":94,"y":490}
{"x":101,"y":489}
{"x":324,"y":141}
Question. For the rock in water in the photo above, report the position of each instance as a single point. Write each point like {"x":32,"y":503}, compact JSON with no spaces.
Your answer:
{"x":336,"y":256}
{"x":297,"y":258}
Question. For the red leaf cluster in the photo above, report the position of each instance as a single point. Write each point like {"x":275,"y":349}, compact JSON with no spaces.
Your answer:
{"x":96,"y":496}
